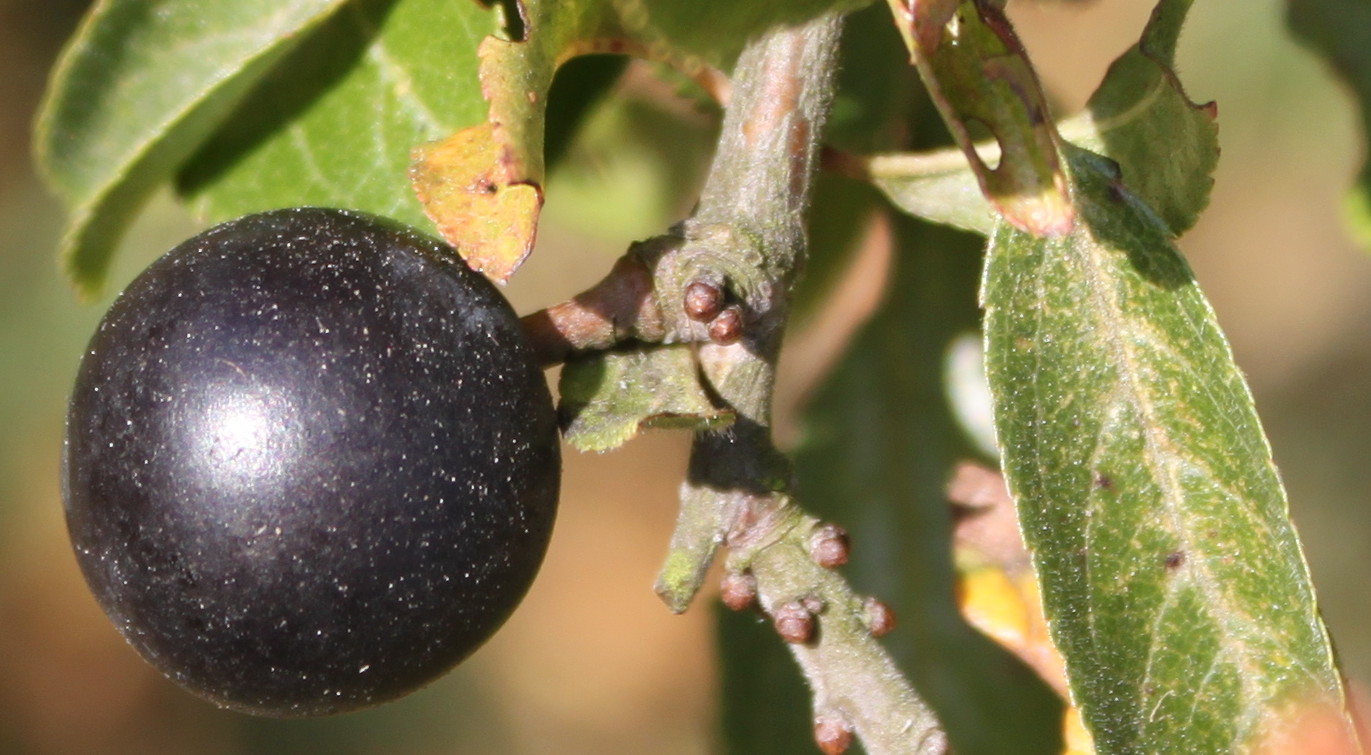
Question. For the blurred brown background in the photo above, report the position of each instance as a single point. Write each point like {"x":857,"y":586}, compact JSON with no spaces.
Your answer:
{"x":592,"y":663}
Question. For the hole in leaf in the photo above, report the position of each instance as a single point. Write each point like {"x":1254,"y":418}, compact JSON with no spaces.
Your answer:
{"x":513,"y":17}
{"x":985,"y":143}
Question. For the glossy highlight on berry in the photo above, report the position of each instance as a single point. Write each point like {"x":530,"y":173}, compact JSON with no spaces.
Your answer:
{"x":310,"y":462}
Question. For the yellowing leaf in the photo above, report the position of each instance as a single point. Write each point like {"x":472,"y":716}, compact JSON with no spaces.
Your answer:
{"x":505,"y":158}
{"x":470,"y":186}
{"x":334,"y":123}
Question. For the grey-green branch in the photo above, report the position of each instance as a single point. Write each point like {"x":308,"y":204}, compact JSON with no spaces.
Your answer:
{"x":723,"y":280}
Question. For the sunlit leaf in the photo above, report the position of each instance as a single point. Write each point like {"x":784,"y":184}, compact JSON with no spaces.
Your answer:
{"x":997,"y":590}
{"x":1166,"y":146}
{"x":495,"y":168}
{"x":138,"y":88}
{"x":1140,"y":117}
{"x":1171,"y":574}
{"x":516,"y":76}
{"x":479,"y":200}
{"x":939,"y":187}
{"x":979,"y":75}
{"x":335,"y":122}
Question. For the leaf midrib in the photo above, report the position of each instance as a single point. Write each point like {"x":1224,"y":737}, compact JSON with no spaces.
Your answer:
{"x":1164,"y":465}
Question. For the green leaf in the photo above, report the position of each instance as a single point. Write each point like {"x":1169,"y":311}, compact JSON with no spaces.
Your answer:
{"x":979,"y":75}
{"x":606,"y":399}
{"x":1140,"y":116}
{"x":1171,"y":574}
{"x":1166,"y":146}
{"x":879,"y":448}
{"x":1338,"y":30}
{"x":483,"y":187}
{"x":939,"y":187}
{"x":139,"y":86}
{"x":334,"y":123}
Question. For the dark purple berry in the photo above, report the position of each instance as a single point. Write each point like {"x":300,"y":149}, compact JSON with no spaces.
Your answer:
{"x":310,"y":462}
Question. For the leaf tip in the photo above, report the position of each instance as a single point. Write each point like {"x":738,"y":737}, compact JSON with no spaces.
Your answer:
{"x":1315,"y":725}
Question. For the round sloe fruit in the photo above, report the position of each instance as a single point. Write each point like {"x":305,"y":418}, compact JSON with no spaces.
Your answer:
{"x":310,"y":463}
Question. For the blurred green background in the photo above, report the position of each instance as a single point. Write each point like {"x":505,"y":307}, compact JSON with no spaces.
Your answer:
{"x":592,"y":663}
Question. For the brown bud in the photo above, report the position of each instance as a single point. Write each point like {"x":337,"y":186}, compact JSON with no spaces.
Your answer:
{"x":879,"y":617}
{"x":833,"y":735}
{"x":739,"y":590}
{"x":703,"y":301}
{"x":795,"y":623}
{"x":829,"y":546}
{"x":727,"y":327}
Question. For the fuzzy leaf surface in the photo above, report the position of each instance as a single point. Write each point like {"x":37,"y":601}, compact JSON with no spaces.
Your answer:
{"x":141,"y":84}
{"x":1172,"y":577}
{"x":606,"y":399}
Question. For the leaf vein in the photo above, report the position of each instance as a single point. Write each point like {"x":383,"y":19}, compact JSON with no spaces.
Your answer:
{"x":1160,"y":454}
